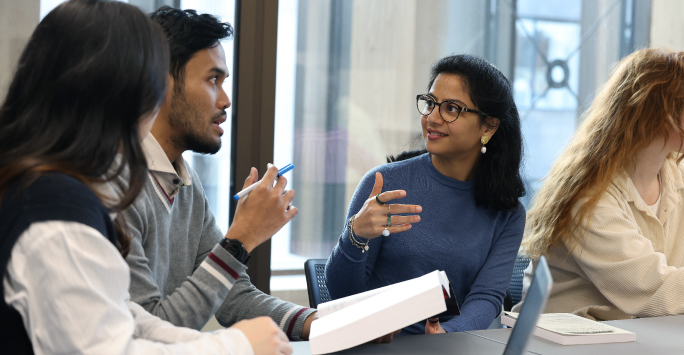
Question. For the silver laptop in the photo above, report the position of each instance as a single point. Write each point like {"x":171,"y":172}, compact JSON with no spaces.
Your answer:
{"x":535,"y":302}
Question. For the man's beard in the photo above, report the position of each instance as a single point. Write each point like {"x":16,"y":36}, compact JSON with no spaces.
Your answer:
{"x":188,"y":126}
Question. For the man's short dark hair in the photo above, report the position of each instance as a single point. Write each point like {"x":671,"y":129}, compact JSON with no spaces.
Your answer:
{"x":188,"y":33}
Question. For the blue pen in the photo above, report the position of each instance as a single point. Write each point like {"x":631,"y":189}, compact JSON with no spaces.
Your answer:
{"x":251,"y":187}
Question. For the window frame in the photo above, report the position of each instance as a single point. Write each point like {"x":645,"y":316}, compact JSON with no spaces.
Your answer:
{"x":253,"y":109}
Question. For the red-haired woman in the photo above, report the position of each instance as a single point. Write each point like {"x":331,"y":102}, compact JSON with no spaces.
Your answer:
{"x":608,"y":216}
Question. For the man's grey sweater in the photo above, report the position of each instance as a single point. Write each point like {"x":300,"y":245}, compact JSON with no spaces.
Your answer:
{"x":178,"y":271}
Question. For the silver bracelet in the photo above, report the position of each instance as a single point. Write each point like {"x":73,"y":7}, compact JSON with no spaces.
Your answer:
{"x":354,"y":241}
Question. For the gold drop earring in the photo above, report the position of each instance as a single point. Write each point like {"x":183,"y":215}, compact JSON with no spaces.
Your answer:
{"x":484,"y":141}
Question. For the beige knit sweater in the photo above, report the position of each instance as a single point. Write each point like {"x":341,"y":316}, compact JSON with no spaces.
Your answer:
{"x":631,"y":263}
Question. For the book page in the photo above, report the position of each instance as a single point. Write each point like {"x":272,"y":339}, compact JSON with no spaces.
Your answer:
{"x":445,"y":283}
{"x":571,"y":324}
{"x":329,"y":307}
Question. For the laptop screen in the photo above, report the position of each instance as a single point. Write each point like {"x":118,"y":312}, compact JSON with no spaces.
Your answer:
{"x":535,"y":302}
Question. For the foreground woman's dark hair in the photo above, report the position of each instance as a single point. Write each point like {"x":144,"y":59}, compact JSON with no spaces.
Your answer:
{"x":82,"y":84}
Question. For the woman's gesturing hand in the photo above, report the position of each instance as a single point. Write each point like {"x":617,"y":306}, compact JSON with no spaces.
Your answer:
{"x":376,"y":212}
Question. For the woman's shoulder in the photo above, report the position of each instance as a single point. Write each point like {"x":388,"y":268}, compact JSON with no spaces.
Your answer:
{"x":673,"y":172}
{"x":398,"y":166}
{"x":519,"y":210}
{"x":397,"y":170}
{"x":63,"y":189}
{"x":621,"y":190}
{"x":51,"y":186}
{"x":54,"y":196}
{"x":513,"y":216}
{"x":617,"y":196}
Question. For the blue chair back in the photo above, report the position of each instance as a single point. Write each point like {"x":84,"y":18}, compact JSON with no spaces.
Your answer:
{"x":516,"y":285}
{"x":314,"y":269}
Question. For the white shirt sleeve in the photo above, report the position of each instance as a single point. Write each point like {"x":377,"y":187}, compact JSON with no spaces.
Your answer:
{"x":70,"y":286}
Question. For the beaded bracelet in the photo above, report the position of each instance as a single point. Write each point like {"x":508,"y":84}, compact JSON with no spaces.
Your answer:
{"x":356,"y":243}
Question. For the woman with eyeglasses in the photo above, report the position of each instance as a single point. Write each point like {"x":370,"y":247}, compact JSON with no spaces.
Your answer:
{"x":453,"y":206}
{"x":87,"y":89}
{"x":608,"y":217}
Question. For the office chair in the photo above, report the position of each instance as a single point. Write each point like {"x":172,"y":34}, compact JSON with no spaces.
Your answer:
{"x":314,"y":269}
{"x":514,"y":292}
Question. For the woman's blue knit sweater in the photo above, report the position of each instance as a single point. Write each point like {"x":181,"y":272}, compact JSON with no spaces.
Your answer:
{"x":475,"y":246}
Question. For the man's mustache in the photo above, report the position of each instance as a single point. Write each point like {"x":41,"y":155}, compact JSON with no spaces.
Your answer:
{"x":218,"y":115}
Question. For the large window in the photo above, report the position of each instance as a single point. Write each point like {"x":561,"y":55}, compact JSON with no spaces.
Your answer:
{"x":564,"y":51}
{"x":348,"y":73}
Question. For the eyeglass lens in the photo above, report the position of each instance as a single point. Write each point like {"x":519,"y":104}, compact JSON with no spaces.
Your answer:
{"x":448,"y":110}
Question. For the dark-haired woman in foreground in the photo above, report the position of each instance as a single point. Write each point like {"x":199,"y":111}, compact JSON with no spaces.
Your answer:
{"x":88,"y":87}
{"x":463,"y":189}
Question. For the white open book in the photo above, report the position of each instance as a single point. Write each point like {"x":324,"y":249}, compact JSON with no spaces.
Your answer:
{"x":360,"y":318}
{"x":571,"y":329}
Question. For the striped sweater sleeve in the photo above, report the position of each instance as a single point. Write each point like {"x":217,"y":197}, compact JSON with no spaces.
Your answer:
{"x":199,"y":296}
{"x":223,"y":267}
{"x":245,"y":301}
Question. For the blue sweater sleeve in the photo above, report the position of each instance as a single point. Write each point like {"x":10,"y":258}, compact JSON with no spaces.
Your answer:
{"x":483,"y":302}
{"x":348,"y":269}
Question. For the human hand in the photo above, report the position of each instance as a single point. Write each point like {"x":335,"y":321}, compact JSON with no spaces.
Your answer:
{"x":264,"y":211}
{"x":264,"y":336}
{"x":371,"y":220}
{"x":306,"y":328}
{"x":385,"y":338}
{"x":433,"y":328}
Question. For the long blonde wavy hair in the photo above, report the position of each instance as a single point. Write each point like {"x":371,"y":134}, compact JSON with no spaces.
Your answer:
{"x":642,"y":101}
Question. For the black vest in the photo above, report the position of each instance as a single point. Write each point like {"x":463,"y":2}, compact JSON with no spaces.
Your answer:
{"x":53,"y":197}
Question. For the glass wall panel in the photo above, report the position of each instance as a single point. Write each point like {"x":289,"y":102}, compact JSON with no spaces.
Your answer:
{"x":564,"y":51}
{"x":348,"y":73}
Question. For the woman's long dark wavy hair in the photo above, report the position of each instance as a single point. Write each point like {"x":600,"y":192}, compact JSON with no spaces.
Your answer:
{"x":90,"y":71}
{"x":498,"y":183}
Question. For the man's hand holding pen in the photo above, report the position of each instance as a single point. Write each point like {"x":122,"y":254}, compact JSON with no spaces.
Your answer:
{"x":264,"y":211}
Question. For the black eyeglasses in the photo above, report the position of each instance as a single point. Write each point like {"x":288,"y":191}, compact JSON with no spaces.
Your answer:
{"x":448,"y":110}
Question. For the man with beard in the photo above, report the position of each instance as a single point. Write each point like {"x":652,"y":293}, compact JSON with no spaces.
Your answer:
{"x":183,"y":269}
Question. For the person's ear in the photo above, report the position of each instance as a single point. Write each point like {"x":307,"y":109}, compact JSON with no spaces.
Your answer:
{"x":165,"y":108}
{"x":490,"y":126}
{"x":169,"y":90}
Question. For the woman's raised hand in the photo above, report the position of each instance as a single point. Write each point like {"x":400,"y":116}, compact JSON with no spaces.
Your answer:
{"x":372,"y":219}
